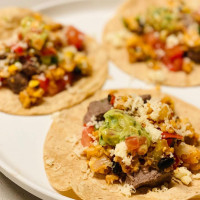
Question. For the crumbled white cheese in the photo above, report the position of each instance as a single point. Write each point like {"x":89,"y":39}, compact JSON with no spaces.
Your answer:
{"x":18,"y":65}
{"x":117,"y":39}
{"x":121,"y":151}
{"x":156,"y":106}
{"x":171,"y":41}
{"x":154,"y":133}
{"x":127,"y":189}
{"x":157,"y":76}
{"x":196,"y":176}
{"x":183,"y":174}
{"x":49,"y":161}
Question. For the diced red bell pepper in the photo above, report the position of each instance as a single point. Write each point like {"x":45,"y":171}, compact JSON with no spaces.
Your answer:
{"x":86,"y":140}
{"x":166,"y":135}
{"x":75,"y":37}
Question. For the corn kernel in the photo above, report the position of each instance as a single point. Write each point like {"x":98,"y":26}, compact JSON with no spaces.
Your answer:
{"x":12,"y":69}
{"x":33,"y":83}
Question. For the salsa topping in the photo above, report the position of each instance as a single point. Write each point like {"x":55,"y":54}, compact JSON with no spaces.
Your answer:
{"x":44,"y":59}
{"x":165,"y":37}
{"x":139,"y":141}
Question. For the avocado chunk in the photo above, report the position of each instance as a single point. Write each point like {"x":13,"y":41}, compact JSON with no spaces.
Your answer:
{"x":118,"y":126}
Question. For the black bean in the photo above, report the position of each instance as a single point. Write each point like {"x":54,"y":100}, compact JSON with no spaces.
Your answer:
{"x":116,"y":168}
{"x":165,"y":163}
{"x":77,"y":70}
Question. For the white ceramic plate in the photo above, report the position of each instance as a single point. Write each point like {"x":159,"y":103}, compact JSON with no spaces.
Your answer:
{"x":22,"y":138}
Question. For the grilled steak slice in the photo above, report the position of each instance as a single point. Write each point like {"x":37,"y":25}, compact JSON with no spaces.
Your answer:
{"x":194,"y":54}
{"x":17,"y":83}
{"x":145,"y":97}
{"x":150,"y":178}
{"x":97,"y":109}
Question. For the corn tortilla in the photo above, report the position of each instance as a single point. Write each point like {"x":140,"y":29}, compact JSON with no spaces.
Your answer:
{"x":66,"y":168}
{"x":140,"y":70}
{"x":86,"y":86}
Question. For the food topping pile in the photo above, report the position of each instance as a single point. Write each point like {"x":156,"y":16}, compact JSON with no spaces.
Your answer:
{"x":42,"y":59}
{"x":165,"y":37}
{"x":139,"y":141}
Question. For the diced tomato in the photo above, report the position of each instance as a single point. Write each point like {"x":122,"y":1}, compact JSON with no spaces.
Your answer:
{"x":166,"y":135}
{"x":175,"y":52}
{"x":44,"y":83}
{"x":86,"y":140}
{"x":174,"y":58}
{"x":132,"y":143}
{"x":48,"y":51}
{"x":18,"y":49}
{"x":173,"y":65}
{"x":75,"y":37}
{"x":154,"y":41}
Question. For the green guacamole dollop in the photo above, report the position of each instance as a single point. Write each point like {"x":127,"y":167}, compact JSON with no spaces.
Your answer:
{"x":118,"y":126}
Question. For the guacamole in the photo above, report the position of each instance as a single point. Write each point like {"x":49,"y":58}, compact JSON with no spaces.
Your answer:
{"x":118,"y":126}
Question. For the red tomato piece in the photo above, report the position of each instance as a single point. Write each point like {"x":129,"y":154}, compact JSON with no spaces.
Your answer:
{"x":86,"y":140}
{"x":175,"y":52}
{"x":17,"y":49}
{"x":75,"y":37}
{"x":48,"y":51}
{"x":132,"y":143}
{"x":174,"y":65}
{"x":153,"y":40}
{"x":166,"y":135}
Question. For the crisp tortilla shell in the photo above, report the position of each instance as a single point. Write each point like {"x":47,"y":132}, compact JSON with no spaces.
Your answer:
{"x":86,"y":86}
{"x":140,"y":70}
{"x":67,"y":167}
